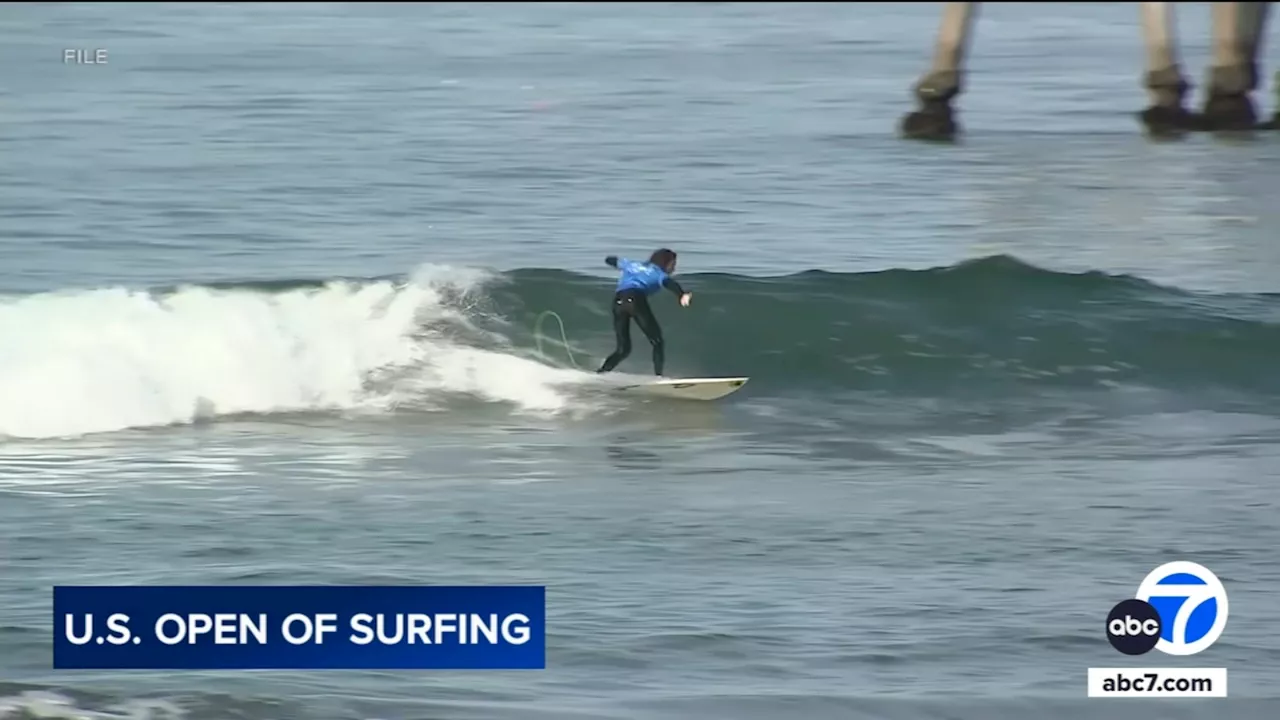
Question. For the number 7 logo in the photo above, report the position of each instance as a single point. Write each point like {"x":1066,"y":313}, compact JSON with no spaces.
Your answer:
{"x":1192,"y":604}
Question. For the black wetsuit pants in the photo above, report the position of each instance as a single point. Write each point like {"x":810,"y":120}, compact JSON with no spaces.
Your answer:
{"x":631,"y":305}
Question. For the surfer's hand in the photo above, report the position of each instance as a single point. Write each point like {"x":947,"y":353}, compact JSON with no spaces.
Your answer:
{"x":685,"y":298}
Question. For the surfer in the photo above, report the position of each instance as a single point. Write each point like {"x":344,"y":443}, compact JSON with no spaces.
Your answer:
{"x":638,"y":281}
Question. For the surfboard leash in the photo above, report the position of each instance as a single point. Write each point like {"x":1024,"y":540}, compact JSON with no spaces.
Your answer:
{"x":564,"y":339}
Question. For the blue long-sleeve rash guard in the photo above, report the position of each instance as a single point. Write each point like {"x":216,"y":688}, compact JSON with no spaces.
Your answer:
{"x":642,"y":276}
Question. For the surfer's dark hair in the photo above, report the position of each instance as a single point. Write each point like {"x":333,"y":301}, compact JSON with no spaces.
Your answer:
{"x":662,"y":257}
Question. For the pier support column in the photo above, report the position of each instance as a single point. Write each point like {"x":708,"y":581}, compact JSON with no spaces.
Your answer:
{"x":936,"y":119}
{"x":1237,"y":33}
{"x":1166,"y":86}
{"x":1275,"y":119}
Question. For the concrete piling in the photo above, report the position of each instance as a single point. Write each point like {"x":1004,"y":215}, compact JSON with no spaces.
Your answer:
{"x":1237,"y":35}
{"x":1254,"y":52}
{"x":1166,"y":86}
{"x":1238,"y":29}
{"x":1275,"y":119}
{"x":936,"y":118}
{"x":1258,"y":24}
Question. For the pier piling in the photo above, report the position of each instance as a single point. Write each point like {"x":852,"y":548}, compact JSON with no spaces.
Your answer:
{"x":936,"y":118}
{"x":1275,"y":118}
{"x":1166,"y":85}
{"x":1237,"y":35}
{"x":1237,"y":28}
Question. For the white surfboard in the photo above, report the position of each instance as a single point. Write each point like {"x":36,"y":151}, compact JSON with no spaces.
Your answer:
{"x":689,"y":388}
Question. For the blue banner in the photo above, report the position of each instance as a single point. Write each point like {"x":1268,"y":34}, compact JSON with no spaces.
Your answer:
{"x":299,"y":628}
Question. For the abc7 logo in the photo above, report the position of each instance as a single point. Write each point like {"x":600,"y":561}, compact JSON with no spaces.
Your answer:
{"x":1133,"y":627}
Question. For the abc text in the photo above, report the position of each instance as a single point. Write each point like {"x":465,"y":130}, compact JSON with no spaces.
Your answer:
{"x":1157,"y":682}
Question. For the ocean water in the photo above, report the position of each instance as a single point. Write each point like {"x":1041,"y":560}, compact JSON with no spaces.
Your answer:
{"x":269,"y":281}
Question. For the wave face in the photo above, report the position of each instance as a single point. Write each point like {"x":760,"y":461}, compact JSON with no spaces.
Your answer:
{"x":79,"y":362}
{"x":993,"y":325}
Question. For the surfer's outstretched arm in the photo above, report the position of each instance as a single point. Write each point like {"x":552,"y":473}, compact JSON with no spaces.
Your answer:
{"x":671,"y":284}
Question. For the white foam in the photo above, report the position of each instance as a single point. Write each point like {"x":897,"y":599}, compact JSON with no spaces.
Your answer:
{"x":73,"y":363}
{"x":48,"y":704}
